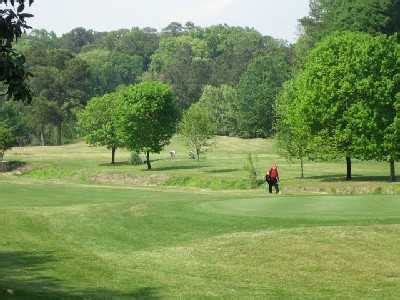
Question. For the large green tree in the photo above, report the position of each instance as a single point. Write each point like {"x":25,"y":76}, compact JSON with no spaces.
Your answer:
{"x":197,"y":127}
{"x":222,"y":103}
{"x":347,"y":93}
{"x":99,"y":123}
{"x":293,"y":131}
{"x":258,"y":89}
{"x":148,"y":117}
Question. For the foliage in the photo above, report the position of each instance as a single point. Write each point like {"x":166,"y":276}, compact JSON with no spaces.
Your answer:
{"x":222,"y":103}
{"x":197,"y":127}
{"x":77,"y":38}
{"x":293,"y":131}
{"x":147,"y":117}
{"x":12,"y":70}
{"x":99,"y":122}
{"x":347,"y":93}
{"x":231,"y":49}
{"x":258,"y":89}
{"x":183,"y":62}
{"x":108,"y":70}
{"x":13,"y":117}
{"x":7,"y":140}
{"x":328,"y":16}
{"x":42,"y":113}
{"x":135,"y":159}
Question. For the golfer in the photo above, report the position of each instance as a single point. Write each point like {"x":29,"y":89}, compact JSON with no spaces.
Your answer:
{"x":272,"y":179}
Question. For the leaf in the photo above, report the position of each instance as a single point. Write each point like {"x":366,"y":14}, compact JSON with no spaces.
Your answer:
{"x":21,"y":8}
{"x":25,"y":15}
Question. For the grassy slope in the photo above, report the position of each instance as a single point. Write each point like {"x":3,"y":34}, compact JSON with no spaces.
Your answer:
{"x":64,"y":239}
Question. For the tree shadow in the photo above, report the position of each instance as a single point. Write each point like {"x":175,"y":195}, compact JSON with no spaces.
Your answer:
{"x":355,"y":178}
{"x":117,"y":164}
{"x":21,"y":279}
{"x":14,"y":165}
{"x":222,"y":171}
{"x":175,"y":168}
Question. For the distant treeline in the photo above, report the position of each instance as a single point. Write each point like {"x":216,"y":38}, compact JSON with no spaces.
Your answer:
{"x":253,"y":85}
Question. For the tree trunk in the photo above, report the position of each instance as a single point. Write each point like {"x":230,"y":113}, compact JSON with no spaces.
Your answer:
{"x":148,"y":160}
{"x":392,"y":171}
{"x":113,"y":155}
{"x":348,"y":162}
{"x":1,"y":155}
{"x":198,"y":154}
{"x":302,"y":168}
{"x":42,"y":138}
{"x":59,"y":134}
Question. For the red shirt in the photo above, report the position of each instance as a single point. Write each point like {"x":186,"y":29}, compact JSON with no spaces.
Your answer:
{"x":273,"y":173}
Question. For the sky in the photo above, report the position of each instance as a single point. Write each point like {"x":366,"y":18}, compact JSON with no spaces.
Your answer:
{"x":277,"y":18}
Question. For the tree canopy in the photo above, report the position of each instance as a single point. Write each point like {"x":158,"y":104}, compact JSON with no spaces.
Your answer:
{"x":148,"y":116}
{"x":12,"y":64}
{"x":347,"y":94}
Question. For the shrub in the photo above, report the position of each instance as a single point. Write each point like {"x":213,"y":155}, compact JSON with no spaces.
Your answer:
{"x":136,"y":160}
{"x":6,"y":140}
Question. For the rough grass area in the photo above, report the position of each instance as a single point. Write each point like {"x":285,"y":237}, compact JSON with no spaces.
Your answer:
{"x":222,"y":167}
{"x":75,"y":242}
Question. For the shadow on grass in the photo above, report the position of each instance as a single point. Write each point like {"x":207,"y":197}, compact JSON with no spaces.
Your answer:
{"x":177,"y":167}
{"x":21,"y":277}
{"x":15,"y":165}
{"x":356,"y":178}
{"x":117,"y":164}
{"x":223,"y":171}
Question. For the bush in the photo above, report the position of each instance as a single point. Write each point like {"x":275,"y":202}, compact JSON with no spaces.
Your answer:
{"x":136,"y":160}
{"x":6,"y":140}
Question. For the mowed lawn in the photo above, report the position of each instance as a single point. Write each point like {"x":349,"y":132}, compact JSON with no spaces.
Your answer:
{"x":86,"y":242}
{"x":74,"y":227}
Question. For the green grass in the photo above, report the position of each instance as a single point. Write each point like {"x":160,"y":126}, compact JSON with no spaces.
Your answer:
{"x":221,"y":168}
{"x":74,"y":227}
{"x":75,"y":242}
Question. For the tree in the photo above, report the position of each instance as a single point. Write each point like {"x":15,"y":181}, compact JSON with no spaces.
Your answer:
{"x":174,"y":29}
{"x":12,"y":71}
{"x":77,"y":38}
{"x":138,"y":42}
{"x":108,"y":70}
{"x":231,"y":49}
{"x":328,"y":16}
{"x":182,"y":62}
{"x":347,"y":94}
{"x":221,"y":102}
{"x":148,"y":117}
{"x":391,"y":142}
{"x":258,"y":89}
{"x":197,"y":127}
{"x":99,"y":123}
{"x":7,"y":140}
{"x":293,"y":132}
{"x":42,"y":113}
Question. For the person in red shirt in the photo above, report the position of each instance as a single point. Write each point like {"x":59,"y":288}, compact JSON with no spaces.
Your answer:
{"x":272,"y":179}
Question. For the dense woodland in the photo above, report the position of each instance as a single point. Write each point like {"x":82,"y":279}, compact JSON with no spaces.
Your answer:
{"x":334,"y":93}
